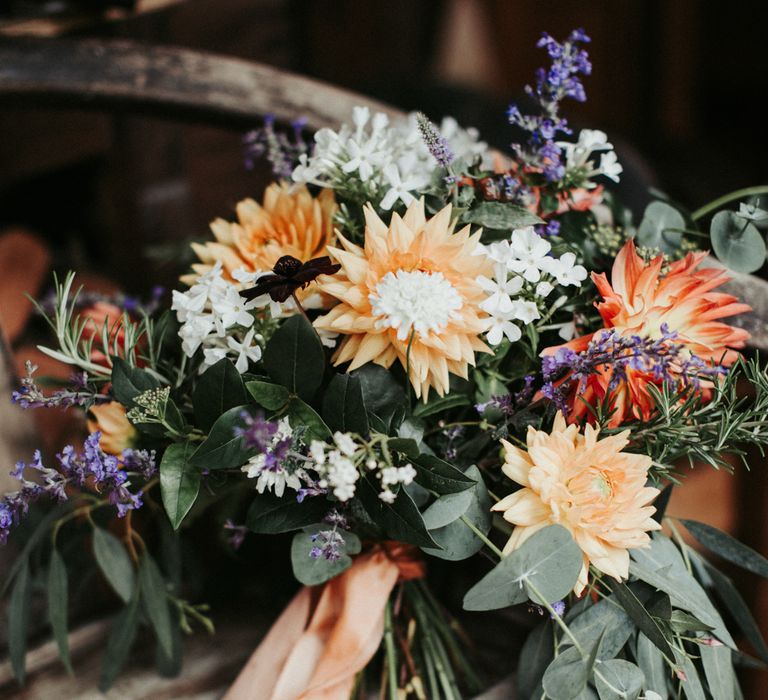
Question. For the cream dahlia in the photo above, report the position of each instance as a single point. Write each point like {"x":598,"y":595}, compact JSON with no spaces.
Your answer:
{"x":290,"y":222}
{"x":641,"y":301}
{"x":587,"y":485}
{"x":413,"y":283}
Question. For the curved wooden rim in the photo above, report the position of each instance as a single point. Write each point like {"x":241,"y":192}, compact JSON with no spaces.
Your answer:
{"x":166,"y":81}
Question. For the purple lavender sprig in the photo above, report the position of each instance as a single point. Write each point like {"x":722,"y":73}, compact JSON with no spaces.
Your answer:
{"x":90,"y":468}
{"x":329,"y":544}
{"x":280,"y":149}
{"x":553,"y":85}
{"x":665,"y":357}
{"x":435,"y":141}
{"x":30,"y":395}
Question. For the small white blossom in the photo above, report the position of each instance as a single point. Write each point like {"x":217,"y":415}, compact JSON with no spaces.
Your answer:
{"x":530,"y":252}
{"x":526,"y":311}
{"x":500,"y":326}
{"x":565,"y":270}
{"x":387,"y":496}
{"x":246,"y":351}
{"x":610,"y":166}
{"x":345,"y":443}
{"x":500,"y":290}
{"x":544,"y":289}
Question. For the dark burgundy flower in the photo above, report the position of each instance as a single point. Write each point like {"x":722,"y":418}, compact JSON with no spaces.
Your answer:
{"x":288,"y":275}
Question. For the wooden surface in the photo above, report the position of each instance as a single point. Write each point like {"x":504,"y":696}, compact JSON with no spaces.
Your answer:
{"x":168,"y":81}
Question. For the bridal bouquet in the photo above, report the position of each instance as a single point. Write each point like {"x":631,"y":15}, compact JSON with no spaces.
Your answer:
{"x":416,"y":350}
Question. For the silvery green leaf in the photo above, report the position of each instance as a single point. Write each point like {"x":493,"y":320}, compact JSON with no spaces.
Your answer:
{"x":606,"y":618}
{"x":649,"y":659}
{"x":728,"y":547}
{"x":618,"y":680}
{"x":534,"y":658}
{"x":566,"y":677}
{"x":691,"y":684}
{"x":549,"y":561}
{"x":736,"y":242}
{"x":661,"y":227}
{"x":661,"y":565}
{"x":313,"y":571}
{"x":718,"y":669}
{"x":446,"y":509}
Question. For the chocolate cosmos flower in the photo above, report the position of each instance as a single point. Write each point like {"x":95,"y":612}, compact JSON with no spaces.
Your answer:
{"x":288,"y":275}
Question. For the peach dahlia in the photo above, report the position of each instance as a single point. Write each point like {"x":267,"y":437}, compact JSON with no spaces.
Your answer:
{"x":413,"y":284}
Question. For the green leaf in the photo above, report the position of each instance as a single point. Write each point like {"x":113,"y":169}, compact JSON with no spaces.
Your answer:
{"x":303,"y":415}
{"x":549,"y":559}
{"x":681,"y":621}
{"x":534,"y":659}
{"x":405,"y":446}
{"x":692,"y":686}
{"x":128,"y":382}
{"x":58,"y":598}
{"x":269,"y":396}
{"x":313,"y":571}
{"x":270,"y":515}
{"x":455,"y":538}
{"x":718,"y":670}
{"x":383,"y":397}
{"x":736,"y":242}
{"x":606,"y":620}
{"x":654,"y":668}
{"x":443,"y":403}
{"x":114,"y":562}
{"x":500,"y":216}
{"x":223,"y":449}
{"x":120,"y":642}
{"x":343,"y":406}
{"x":294,"y":357}
{"x":728,"y":547}
{"x":438,"y":475}
{"x":739,"y":610}
{"x":401,"y":520}
{"x":661,"y":565}
{"x":18,"y":622}
{"x":218,"y":389}
{"x":155,"y":598}
{"x":661,"y":227}
{"x":179,"y":481}
{"x":621,"y":676}
{"x":566,"y":676}
{"x":447,"y":509}
{"x":640,"y":616}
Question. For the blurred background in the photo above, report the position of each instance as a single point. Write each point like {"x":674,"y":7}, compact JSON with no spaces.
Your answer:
{"x":676,"y":85}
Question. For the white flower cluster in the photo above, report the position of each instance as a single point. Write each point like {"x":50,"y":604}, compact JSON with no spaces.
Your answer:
{"x":337,"y":467}
{"x":391,"y":161}
{"x":524,"y":275}
{"x":215,"y":317}
{"x":577,"y":156}
{"x":269,"y":471}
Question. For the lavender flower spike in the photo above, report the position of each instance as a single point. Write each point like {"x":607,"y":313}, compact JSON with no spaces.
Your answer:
{"x":435,"y":141}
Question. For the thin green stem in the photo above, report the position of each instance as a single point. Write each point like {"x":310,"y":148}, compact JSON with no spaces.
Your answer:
{"x":389,"y":645}
{"x":731,"y":196}
{"x":482,"y":536}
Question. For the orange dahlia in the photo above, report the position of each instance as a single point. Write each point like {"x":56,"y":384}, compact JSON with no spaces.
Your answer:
{"x":641,"y":301}
{"x":589,"y":486}
{"x":290,"y":222}
{"x":414,"y":283}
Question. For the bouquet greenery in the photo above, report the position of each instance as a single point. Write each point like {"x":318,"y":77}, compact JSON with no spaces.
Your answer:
{"x":415,"y":349}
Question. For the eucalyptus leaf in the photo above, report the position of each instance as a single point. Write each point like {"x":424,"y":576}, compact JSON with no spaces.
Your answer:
{"x":500,"y":216}
{"x":607,"y":620}
{"x":58,"y":599}
{"x":618,"y":680}
{"x":566,"y":677}
{"x":447,"y":509}
{"x":270,"y":396}
{"x":312,"y":571}
{"x":682,"y":621}
{"x":718,"y":670}
{"x":179,"y":481}
{"x":736,"y":242}
{"x":18,"y":622}
{"x":654,"y":668}
{"x":549,"y":561}
{"x":456,"y":539}
{"x":119,"y":643}
{"x":691,"y":684}
{"x":641,"y":617}
{"x":535,"y":656}
{"x":728,"y":547}
{"x":114,"y":562}
{"x":294,"y":357}
{"x":661,"y":227}
{"x":218,"y":389}
{"x":155,"y":598}
{"x":661,"y":565}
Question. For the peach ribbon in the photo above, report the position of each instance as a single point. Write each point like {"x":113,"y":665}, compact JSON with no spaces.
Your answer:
{"x":314,"y":653}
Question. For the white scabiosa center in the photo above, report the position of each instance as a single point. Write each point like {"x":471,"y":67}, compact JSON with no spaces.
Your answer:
{"x":420,"y":301}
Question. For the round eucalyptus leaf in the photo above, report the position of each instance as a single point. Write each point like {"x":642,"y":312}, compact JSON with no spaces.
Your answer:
{"x":736,"y":242}
{"x":566,"y":677}
{"x":311,"y":570}
{"x":618,"y":680}
{"x":661,"y":227}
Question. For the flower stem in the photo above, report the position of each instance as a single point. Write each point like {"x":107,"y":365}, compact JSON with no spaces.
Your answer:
{"x":480,"y":534}
{"x":731,"y":196}
{"x":389,"y":644}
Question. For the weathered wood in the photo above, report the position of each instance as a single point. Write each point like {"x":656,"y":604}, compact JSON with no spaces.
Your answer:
{"x":170,"y":82}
